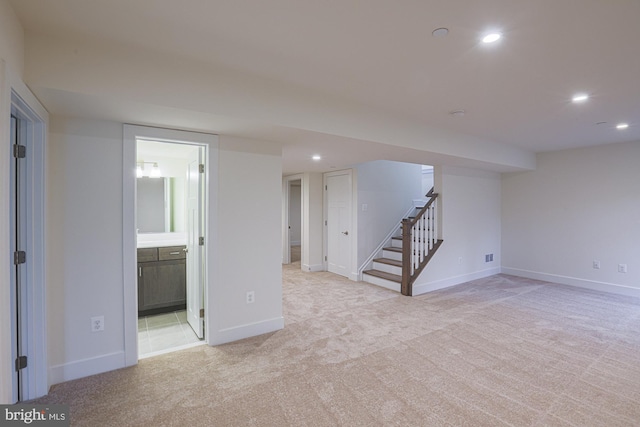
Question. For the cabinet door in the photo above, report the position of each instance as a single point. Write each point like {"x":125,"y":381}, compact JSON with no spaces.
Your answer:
{"x":163,"y":284}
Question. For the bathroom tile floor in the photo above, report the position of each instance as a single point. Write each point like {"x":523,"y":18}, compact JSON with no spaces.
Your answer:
{"x":161,"y":333}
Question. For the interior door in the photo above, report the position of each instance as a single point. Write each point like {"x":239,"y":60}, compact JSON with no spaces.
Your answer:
{"x":339,"y":233}
{"x":195,"y":250}
{"x":18,"y":248}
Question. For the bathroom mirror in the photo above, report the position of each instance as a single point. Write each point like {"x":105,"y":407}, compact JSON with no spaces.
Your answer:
{"x":160,"y":205}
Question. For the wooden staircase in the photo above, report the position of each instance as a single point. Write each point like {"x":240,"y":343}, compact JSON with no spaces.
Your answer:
{"x":406,"y":256}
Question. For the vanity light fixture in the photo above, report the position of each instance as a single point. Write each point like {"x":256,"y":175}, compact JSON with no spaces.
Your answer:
{"x":154,"y":173}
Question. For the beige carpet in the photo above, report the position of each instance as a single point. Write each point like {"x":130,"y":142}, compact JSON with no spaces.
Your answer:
{"x":493,"y":352}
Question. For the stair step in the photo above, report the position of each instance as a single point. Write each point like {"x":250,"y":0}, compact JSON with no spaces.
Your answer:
{"x":389,"y":261}
{"x":392,"y":249}
{"x":383,"y":275}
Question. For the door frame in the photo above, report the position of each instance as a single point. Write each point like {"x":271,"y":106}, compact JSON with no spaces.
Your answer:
{"x":130,"y":135}
{"x":17,"y":99}
{"x":353,"y":275}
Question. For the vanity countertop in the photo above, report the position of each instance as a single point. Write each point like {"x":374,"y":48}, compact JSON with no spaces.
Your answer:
{"x":158,"y":240}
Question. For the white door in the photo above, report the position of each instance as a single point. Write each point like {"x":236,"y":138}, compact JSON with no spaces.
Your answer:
{"x":339,"y":233}
{"x":195,"y":251}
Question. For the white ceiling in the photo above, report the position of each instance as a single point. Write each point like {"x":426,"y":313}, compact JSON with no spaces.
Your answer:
{"x":381,"y":54}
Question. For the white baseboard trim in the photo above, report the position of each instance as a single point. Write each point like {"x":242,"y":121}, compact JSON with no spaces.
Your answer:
{"x":314,"y":267}
{"x":574,"y":281}
{"x":423,"y":288}
{"x":86,"y":367}
{"x":249,"y":330}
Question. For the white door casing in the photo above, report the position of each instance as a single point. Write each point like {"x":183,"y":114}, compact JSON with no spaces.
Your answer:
{"x":18,"y":101}
{"x":131,"y":134}
{"x":339,"y":230}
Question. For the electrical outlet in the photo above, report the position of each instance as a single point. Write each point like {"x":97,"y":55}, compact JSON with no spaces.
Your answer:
{"x":622,"y":268}
{"x":596,"y":265}
{"x":251,"y":297}
{"x":97,"y":324}
{"x":459,"y":260}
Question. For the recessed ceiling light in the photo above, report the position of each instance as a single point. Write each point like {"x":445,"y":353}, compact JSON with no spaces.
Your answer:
{"x":440,"y":32}
{"x":622,"y":125}
{"x":491,"y":38}
{"x":579,"y":97}
{"x":316,"y":157}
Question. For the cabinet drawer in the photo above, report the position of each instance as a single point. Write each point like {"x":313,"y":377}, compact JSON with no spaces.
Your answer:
{"x":171,"y":252}
{"x":147,"y":254}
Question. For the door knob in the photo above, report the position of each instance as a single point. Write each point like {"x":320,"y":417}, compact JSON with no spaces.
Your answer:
{"x":185,"y":249}
{"x":346,"y":233}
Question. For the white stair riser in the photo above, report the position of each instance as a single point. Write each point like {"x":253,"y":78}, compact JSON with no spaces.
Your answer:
{"x":378,"y":281}
{"x":387,"y":268}
{"x":392,"y":255}
{"x":396,"y":243}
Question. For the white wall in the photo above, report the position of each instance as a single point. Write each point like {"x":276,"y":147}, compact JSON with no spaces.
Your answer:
{"x":312,"y":211}
{"x":470,"y":228}
{"x":250,"y":223}
{"x":11,"y":38}
{"x":578,"y":206}
{"x":85,"y":245}
{"x":388,"y":190}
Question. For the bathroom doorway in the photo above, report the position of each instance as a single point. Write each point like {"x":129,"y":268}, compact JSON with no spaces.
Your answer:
{"x":167,"y":234}
{"x":169,"y":219}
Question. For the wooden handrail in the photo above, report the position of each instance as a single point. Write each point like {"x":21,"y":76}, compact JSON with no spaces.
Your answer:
{"x":419,"y":244}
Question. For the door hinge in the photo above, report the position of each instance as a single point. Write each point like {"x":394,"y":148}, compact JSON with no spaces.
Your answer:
{"x":325,"y":223}
{"x":202,"y":313}
{"x":325,"y":257}
{"x":201,"y":241}
{"x":326,"y":187}
{"x":19,"y":257}
{"x":21,"y":362}
{"x":19,"y":151}
{"x":201,"y":168}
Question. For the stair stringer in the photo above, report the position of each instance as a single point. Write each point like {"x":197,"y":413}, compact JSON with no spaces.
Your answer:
{"x":377,"y":252}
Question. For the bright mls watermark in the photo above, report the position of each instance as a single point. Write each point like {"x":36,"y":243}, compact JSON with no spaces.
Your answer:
{"x":34,"y":415}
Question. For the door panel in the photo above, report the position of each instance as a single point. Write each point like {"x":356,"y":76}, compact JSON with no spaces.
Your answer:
{"x":339,"y":233}
{"x":195,"y":229}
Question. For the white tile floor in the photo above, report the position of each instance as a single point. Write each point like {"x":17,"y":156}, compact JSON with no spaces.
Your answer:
{"x":165,"y":332}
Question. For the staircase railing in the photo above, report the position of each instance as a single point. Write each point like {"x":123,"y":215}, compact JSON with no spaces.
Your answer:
{"x":419,"y":242}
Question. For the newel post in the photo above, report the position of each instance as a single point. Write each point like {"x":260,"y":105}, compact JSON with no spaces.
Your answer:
{"x":405,"y":286}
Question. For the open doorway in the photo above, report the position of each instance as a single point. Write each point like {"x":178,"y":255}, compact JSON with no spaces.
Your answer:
{"x":166,"y":237}
{"x":169,"y":213}
{"x":293,"y":220}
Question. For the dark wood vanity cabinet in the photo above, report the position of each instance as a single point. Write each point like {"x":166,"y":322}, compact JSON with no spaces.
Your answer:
{"x":162,"y":279}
